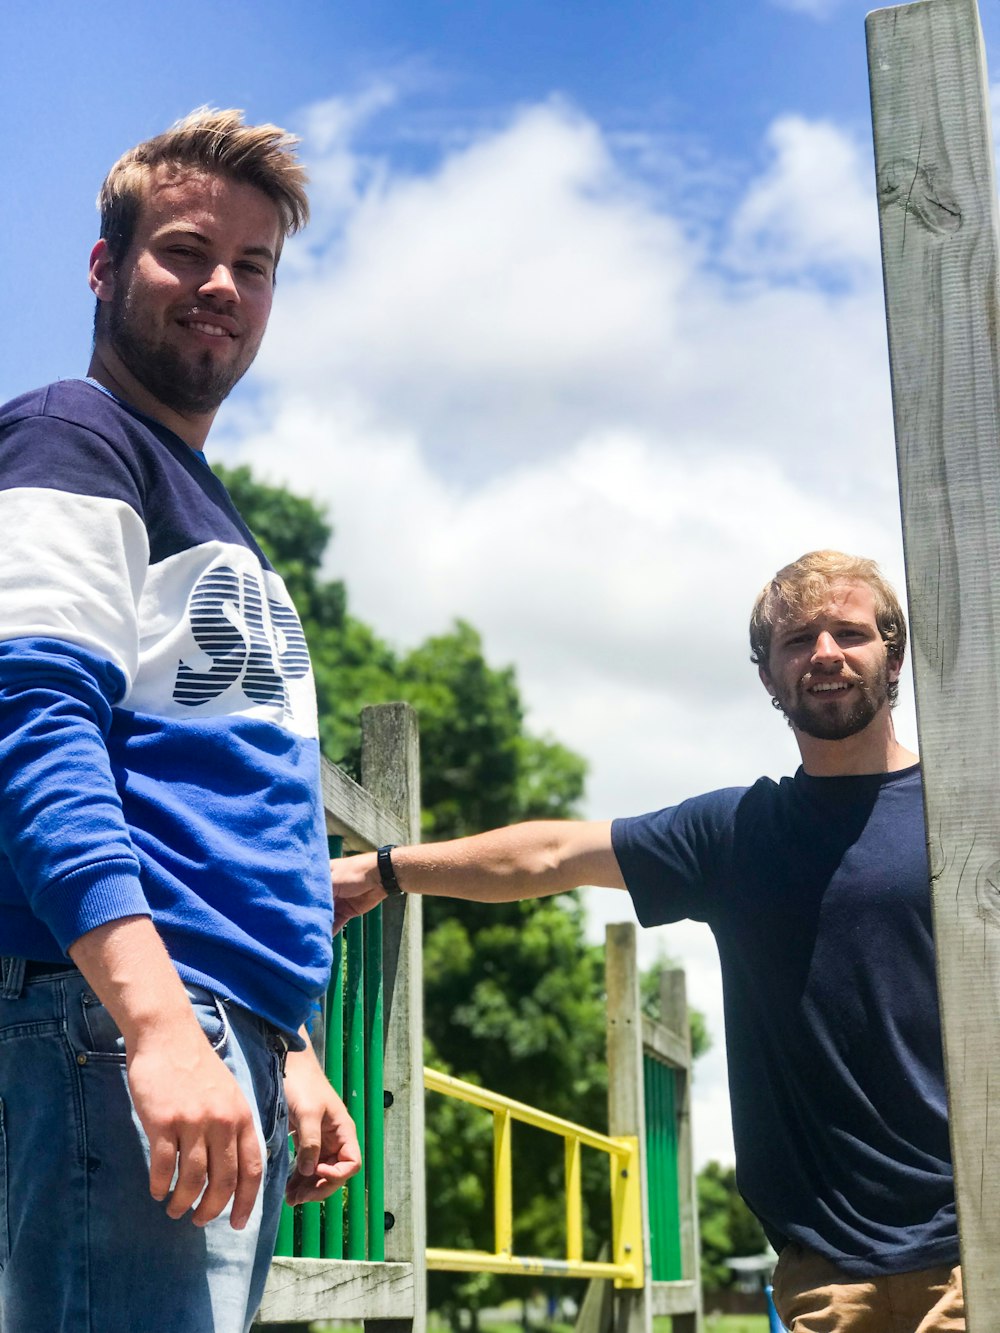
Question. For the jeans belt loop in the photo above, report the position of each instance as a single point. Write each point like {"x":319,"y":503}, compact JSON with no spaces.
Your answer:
{"x":11,"y":977}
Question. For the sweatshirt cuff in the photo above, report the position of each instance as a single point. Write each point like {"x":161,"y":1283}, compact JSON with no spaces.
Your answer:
{"x":90,"y":897}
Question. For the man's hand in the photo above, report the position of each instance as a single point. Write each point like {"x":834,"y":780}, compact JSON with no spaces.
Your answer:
{"x":326,"y":1144}
{"x":199,"y":1124}
{"x":356,"y":887}
{"x":195,"y":1116}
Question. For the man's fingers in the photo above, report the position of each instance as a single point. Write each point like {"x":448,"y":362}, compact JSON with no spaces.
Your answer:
{"x":192,"y":1168}
{"x":308,"y":1138}
{"x":222,"y":1176}
{"x":250,"y":1174}
{"x":162,"y":1165}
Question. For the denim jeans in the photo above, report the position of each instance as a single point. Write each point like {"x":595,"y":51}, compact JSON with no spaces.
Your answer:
{"x":84,"y":1248}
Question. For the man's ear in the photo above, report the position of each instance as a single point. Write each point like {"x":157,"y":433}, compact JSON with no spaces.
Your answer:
{"x":765,"y":680}
{"x":102,"y":272}
{"x":894,"y":664}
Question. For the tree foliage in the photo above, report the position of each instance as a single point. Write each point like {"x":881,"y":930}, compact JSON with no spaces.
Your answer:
{"x":728,"y":1228}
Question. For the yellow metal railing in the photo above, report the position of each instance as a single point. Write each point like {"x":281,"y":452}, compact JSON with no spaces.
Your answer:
{"x":626,"y":1200}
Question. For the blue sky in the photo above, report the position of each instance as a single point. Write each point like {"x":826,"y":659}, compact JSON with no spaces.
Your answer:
{"x":590,"y":307}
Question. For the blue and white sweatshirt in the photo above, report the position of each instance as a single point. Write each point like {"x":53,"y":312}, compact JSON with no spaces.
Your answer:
{"x":158,"y":740}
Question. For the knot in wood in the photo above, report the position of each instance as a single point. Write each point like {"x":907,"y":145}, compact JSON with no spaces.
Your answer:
{"x":925,"y":193}
{"x":988,"y":891}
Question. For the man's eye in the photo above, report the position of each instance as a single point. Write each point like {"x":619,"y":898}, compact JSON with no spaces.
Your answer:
{"x":257,"y":269}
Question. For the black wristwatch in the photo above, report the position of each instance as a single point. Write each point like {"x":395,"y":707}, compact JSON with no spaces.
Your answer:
{"x":385,"y":871}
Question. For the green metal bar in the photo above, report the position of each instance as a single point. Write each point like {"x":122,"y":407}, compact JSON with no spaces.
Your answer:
{"x":333,"y":1208}
{"x":312,"y":1229}
{"x":661,"y":1170}
{"x":374,"y":1086}
{"x":354,"y":1081}
{"x":284,"y":1246}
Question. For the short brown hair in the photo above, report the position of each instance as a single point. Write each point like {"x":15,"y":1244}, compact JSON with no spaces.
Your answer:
{"x":803,"y":586}
{"x":211,"y":141}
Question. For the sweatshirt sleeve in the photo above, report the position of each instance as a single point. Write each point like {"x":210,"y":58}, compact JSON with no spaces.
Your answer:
{"x":74,"y":551}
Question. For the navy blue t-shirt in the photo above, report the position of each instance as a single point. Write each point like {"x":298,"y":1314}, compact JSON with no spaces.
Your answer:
{"x":817,"y":892}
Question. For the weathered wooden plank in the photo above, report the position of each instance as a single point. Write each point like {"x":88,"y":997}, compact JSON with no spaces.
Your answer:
{"x":680,"y":1299}
{"x":390,"y":770}
{"x":665,"y":1044}
{"x":351,"y":812}
{"x":674,"y":1012}
{"x":301,"y":1290}
{"x":626,"y":1102}
{"x":938,"y":214}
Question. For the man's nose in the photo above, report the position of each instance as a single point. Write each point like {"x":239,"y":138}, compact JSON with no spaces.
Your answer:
{"x":826,"y":648}
{"x":221,"y":284}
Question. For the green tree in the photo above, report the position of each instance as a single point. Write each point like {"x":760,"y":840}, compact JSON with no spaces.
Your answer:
{"x":728,"y":1228}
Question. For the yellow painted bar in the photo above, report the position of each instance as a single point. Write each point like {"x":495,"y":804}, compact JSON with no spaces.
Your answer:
{"x":574,"y":1202}
{"x":528,"y":1115}
{"x":480,"y":1261}
{"x":503,"y":1184}
{"x":626,"y":1214}
{"x":626,"y":1196}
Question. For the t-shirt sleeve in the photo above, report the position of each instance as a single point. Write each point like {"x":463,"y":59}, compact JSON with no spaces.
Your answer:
{"x":674,"y":860}
{"x":74,"y":552}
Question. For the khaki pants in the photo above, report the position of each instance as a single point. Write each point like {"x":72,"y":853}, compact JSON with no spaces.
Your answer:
{"x":813,"y":1295}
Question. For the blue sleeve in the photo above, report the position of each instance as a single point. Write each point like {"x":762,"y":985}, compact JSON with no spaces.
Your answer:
{"x":74,"y":552}
{"x":674,"y":860}
{"x":61,"y":822}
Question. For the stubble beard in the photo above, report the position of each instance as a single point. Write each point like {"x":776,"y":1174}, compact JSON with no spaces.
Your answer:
{"x":187,"y":385}
{"x":869,"y":696}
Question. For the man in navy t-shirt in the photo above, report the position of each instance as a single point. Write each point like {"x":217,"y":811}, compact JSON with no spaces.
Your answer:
{"x":817,"y":891}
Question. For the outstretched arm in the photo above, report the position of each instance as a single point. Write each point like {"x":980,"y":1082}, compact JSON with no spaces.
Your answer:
{"x":531,"y":860}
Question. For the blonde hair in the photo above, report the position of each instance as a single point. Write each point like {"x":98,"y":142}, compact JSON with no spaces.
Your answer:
{"x":211,"y":141}
{"x":801,"y":588}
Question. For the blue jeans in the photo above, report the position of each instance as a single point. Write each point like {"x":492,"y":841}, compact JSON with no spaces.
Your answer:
{"x":84,"y":1248}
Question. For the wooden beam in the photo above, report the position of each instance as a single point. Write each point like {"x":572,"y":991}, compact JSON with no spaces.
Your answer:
{"x":362,"y":822}
{"x":390,"y":770}
{"x":674,"y":1014}
{"x":626,"y":1102}
{"x":300,"y":1291}
{"x":938,"y":214}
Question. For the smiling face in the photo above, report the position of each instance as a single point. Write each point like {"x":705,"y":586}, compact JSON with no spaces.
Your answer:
{"x":828,"y":668}
{"x":186,"y":309}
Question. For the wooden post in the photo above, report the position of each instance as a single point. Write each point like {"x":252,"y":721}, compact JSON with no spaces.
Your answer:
{"x":390,"y":770}
{"x":674,"y":1015}
{"x":626,"y":1108}
{"x":938,"y":212}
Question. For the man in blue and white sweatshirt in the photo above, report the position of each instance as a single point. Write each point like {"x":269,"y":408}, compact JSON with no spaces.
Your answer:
{"x":165,"y":901}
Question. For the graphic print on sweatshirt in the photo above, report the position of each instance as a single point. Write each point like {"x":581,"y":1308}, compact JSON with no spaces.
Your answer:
{"x":228,"y":640}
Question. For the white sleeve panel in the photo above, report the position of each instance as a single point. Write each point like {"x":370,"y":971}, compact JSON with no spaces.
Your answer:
{"x":72,"y":567}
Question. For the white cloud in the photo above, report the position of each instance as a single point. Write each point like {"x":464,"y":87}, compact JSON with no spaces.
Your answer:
{"x":813,"y":209}
{"x":531,"y":401}
{"x":817,"y":9}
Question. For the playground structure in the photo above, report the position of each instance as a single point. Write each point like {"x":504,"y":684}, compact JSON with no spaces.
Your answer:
{"x":365,"y":1257}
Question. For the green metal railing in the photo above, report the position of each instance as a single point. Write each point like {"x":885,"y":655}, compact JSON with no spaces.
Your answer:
{"x":659,"y":1084}
{"x":351,"y":1223}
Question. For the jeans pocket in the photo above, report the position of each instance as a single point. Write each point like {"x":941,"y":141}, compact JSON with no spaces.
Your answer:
{"x":4,"y":1220}
{"x":104,"y":1040}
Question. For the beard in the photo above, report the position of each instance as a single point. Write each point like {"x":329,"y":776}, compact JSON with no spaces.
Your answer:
{"x":824,"y":723}
{"x":189,"y":385}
